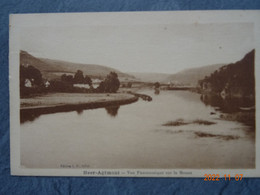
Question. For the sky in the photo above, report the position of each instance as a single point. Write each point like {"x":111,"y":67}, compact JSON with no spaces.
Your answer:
{"x":157,"y":48}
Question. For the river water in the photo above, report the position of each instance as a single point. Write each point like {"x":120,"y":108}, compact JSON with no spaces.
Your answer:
{"x":177,"y":129}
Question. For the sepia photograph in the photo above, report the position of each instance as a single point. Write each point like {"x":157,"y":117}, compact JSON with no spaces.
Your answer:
{"x":135,"y":94}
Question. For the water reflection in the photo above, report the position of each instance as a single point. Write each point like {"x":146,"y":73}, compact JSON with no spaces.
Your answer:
{"x":79,"y":111}
{"x":156,"y":91}
{"x":112,"y":110}
{"x":138,"y":129}
{"x":227,"y":105}
{"x":29,"y":116}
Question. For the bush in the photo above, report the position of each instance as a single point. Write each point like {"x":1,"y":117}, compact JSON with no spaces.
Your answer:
{"x":110,"y":84}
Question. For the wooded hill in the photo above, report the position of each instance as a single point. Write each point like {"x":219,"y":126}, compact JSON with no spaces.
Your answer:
{"x":236,"y":79}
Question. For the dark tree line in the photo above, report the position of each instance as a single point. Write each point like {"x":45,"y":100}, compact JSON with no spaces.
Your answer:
{"x":77,"y":79}
{"x":34,"y":76}
{"x":235,"y":78}
{"x":31,"y":73}
{"x":110,"y":84}
{"x":65,"y":84}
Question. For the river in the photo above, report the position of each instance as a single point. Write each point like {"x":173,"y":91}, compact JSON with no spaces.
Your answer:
{"x":177,"y":129}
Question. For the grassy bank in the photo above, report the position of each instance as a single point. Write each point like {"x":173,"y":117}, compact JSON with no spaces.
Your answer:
{"x":61,"y":99}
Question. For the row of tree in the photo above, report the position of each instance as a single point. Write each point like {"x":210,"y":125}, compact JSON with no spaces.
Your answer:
{"x":110,"y":85}
{"x":235,"y":79}
{"x":77,"y":79}
{"x":32,"y":75}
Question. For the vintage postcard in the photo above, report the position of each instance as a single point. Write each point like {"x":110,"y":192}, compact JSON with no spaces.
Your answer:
{"x":135,"y":94}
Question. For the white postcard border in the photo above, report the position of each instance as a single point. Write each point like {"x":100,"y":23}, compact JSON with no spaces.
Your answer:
{"x":18,"y":21}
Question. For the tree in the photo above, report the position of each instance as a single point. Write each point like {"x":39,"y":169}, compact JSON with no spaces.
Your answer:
{"x":110,"y":84}
{"x":236,"y":78}
{"x":31,"y":73}
{"x":87,"y":80}
{"x":63,"y":77}
{"x":157,"y":85}
{"x":67,"y":78}
{"x":129,"y":84}
{"x":101,"y":87}
{"x":78,"y":77}
{"x":23,"y":75}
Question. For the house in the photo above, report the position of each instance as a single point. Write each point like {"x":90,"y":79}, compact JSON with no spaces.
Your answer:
{"x":96,"y":83}
{"x":28,"y":83}
{"x":86,"y":86}
{"x":47,"y":84}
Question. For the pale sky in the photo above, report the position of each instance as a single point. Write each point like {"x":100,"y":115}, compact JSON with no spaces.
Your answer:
{"x":142,"y":48}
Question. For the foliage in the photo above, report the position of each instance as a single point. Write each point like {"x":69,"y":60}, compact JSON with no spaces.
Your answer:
{"x":31,"y":73}
{"x":129,"y":84}
{"x":65,"y":84}
{"x":87,"y":80}
{"x":110,"y":84}
{"x":235,"y":78}
{"x":35,"y":78}
{"x":60,"y":86}
{"x":156,"y":84}
{"x":101,"y":87}
{"x":78,"y":77}
{"x":67,"y":78}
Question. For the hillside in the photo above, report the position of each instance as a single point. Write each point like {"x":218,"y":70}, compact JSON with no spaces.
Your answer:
{"x":235,"y":79}
{"x":150,"y":77}
{"x":53,"y":69}
{"x":193,"y":75}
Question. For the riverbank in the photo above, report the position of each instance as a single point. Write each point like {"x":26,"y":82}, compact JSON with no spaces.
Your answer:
{"x":175,"y":126}
{"x":247,"y":118}
{"x":64,"y":102}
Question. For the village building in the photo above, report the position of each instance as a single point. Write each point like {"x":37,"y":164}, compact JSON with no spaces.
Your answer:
{"x":96,"y":83}
{"x":79,"y":85}
{"x":47,"y":84}
{"x":28,"y":83}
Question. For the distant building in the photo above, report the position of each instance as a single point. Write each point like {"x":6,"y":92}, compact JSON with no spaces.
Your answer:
{"x":27,"y":83}
{"x":174,"y":84}
{"x":85,"y":86}
{"x":96,"y":83}
{"x":47,"y":84}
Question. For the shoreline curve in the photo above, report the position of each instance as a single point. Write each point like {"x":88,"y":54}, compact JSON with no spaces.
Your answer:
{"x":27,"y":113}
